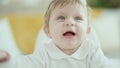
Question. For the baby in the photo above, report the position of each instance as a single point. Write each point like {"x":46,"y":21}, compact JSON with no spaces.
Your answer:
{"x":67,"y":24}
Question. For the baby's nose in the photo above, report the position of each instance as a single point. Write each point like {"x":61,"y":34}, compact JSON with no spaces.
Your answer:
{"x":70,"y":23}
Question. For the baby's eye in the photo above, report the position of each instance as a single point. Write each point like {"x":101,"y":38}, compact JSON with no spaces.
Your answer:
{"x":77,"y":19}
{"x":61,"y":18}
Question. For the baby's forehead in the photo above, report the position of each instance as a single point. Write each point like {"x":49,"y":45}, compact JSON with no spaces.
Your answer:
{"x":69,"y":7}
{"x":78,"y":6}
{"x":69,"y":4}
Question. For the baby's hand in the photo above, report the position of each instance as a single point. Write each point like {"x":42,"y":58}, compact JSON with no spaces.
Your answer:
{"x":4,"y":56}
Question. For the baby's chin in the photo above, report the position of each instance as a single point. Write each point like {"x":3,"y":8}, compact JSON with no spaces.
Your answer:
{"x":69,"y":45}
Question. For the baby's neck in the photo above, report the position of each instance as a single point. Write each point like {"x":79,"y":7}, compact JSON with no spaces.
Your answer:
{"x":69,"y":51}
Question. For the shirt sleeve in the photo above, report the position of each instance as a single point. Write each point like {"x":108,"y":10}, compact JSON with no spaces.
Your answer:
{"x":98,"y":60}
{"x":28,"y":61}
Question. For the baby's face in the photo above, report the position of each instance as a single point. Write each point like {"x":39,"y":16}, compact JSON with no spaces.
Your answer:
{"x":68,"y":26}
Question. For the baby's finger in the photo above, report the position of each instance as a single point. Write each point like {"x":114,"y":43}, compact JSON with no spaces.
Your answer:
{"x":4,"y":56}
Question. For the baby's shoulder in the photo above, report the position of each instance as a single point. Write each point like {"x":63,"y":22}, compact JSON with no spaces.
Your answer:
{"x":93,"y":45}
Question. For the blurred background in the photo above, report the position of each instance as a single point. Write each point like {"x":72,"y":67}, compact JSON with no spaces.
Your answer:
{"x":21,"y":21}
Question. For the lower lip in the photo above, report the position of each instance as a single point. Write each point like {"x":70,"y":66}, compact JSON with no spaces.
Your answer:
{"x":69,"y":36}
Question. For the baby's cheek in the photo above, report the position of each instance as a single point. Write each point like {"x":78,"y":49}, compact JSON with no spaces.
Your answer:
{"x":81,"y":35}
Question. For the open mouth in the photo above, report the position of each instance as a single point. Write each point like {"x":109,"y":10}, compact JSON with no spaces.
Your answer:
{"x":69,"y":33}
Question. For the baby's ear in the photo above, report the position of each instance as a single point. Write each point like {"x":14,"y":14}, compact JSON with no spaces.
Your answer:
{"x":88,"y":29}
{"x":46,"y":30}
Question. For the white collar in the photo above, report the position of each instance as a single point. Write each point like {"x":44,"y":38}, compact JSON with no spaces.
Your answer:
{"x":56,"y":53}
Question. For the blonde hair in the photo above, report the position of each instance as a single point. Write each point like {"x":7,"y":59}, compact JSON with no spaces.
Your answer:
{"x":60,"y":3}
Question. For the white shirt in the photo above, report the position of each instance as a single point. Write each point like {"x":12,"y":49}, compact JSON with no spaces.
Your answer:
{"x":88,"y":55}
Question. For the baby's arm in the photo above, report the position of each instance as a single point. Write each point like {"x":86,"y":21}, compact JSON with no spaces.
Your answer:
{"x":98,"y":60}
{"x":19,"y":61}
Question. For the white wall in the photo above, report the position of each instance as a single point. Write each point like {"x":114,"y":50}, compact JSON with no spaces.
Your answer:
{"x":107,"y":26}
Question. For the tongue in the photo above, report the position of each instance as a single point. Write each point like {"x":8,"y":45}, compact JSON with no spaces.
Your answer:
{"x":68,"y":34}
